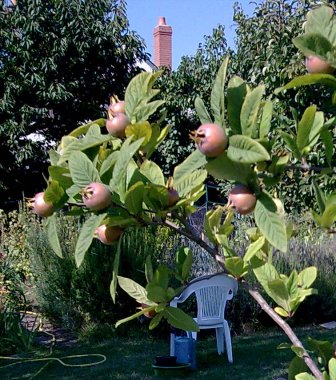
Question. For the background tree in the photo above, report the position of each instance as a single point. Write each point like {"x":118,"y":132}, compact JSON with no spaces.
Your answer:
{"x":60,"y":62}
{"x":266,"y":54}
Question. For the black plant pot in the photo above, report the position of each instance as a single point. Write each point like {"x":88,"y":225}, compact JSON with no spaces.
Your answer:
{"x":165,"y":361}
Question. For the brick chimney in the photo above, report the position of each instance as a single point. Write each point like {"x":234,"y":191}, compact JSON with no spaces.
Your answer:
{"x":163,"y":43}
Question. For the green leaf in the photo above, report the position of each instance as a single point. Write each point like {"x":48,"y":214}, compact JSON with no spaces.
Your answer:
{"x":319,"y":196}
{"x":83,"y":129}
{"x":193,"y":162}
{"x":156,"y":197}
{"x":307,"y":276}
{"x":89,"y":141}
{"x":291,"y":144}
{"x":266,"y":118}
{"x":179,"y":319}
{"x":249,"y":111}
{"x":187,"y":266}
{"x":316,"y":129}
{"x":254,"y":248}
{"x":305,"y":376}
{"x":278,"y":164}
{"x":153,"y":172}
{"x":327,"y":140}
{"x":296,"y":366}
{"x":135,"y":92}
{"x":156,"y":138}
{"x":161,"y":276}
{"x":212,"y":222}
{"x":82,"y":170}
{"x":156,"y":293}
{"x":134,"y":290}
{"x":305,"y":126}
{"x":265,"y":274}
{"x":55,"y":194}
{"x":217,"y":94}
{"x":108,"y":163}
{"x":332,"y":368}
{"x":282,"y":312}
{"x":149,"y":269}
{"x":236,"y":92}
{"x":245,"y":150}
{"x":223,"y":167}
{"x":309,"y":79}
{"x":184,"y":259}
{"x":127,"y":151}
{"x":53,"y":235}
{"x":86,"y":236}
{"x":271,"y":225}
{"x":114,"y":282}
{"x":202,"y":112}
{"x":321,"y":20}
{"x":61,"y":175}
{"x":236,"y":266}
{"x":155,"y":321}
{"x":329,"y":216}
{"x":279,"y":290}
{"x":138,"y":94}
{"x":138,"y":131}
{"x":146,"y":110}
{"x":187,"y":183}
{"x":313,"y":44}
{"x":134,"y":198}
{"x":53,"y":157}
{"x":324,"y":349}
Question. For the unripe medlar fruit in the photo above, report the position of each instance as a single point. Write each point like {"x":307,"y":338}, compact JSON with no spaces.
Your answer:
{"x":40,"y":206}
{"x":108,"y":234}
{"x":242,"y":200}
{"x":96,"y":196}
{"x":173,"y":196}
{"x":118,"y":107}
{"x":117,"y":125}
{"x":148,"y":314}
{"x":316,"y":65}
{"x":210,"y":139}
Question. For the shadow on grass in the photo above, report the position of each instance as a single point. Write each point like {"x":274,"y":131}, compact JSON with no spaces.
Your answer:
{"x":255,"y":357}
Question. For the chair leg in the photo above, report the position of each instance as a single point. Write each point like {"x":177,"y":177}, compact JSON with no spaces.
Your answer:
{"x":220,"y":340}
{"x":172,"y":345}
{"x":228,"y":343}
{"x":194,"y":334}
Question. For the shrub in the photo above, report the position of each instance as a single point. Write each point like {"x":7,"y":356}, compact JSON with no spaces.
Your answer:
{"x":14,"y":336}
{"x":13,"y":243}
{"x":72,"y":296}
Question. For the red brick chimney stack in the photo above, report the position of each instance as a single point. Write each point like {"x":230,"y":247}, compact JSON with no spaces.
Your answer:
{"x":163,"y":43}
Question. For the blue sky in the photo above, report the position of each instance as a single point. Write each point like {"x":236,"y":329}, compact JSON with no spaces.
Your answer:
{"x":190,"y":20}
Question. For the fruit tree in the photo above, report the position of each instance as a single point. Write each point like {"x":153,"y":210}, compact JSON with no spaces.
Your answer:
{"x":111,"y":181}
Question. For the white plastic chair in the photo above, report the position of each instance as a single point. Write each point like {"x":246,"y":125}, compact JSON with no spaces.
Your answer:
{"x":211,"y":292}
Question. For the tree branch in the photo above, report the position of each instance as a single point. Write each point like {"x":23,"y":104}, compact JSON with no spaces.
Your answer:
{"x":190,"y":234}
{"x":285,"y":327}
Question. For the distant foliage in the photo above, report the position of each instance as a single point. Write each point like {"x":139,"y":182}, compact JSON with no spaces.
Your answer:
{"x":266,"y":54}
{"x":60,"y":62}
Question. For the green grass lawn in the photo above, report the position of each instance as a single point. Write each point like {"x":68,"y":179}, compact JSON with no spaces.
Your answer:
{"x":255,"y":357}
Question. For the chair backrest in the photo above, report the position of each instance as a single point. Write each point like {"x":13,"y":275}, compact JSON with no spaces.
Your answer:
{"x":212,"y":293}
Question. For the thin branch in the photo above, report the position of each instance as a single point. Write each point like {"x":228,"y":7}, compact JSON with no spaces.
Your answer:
{"x":192,"y":236}
{"x":308,"y":168}
{"x":285,"y":327}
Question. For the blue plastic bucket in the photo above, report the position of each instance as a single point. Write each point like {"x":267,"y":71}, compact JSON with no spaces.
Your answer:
{"x":185,"y":350}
